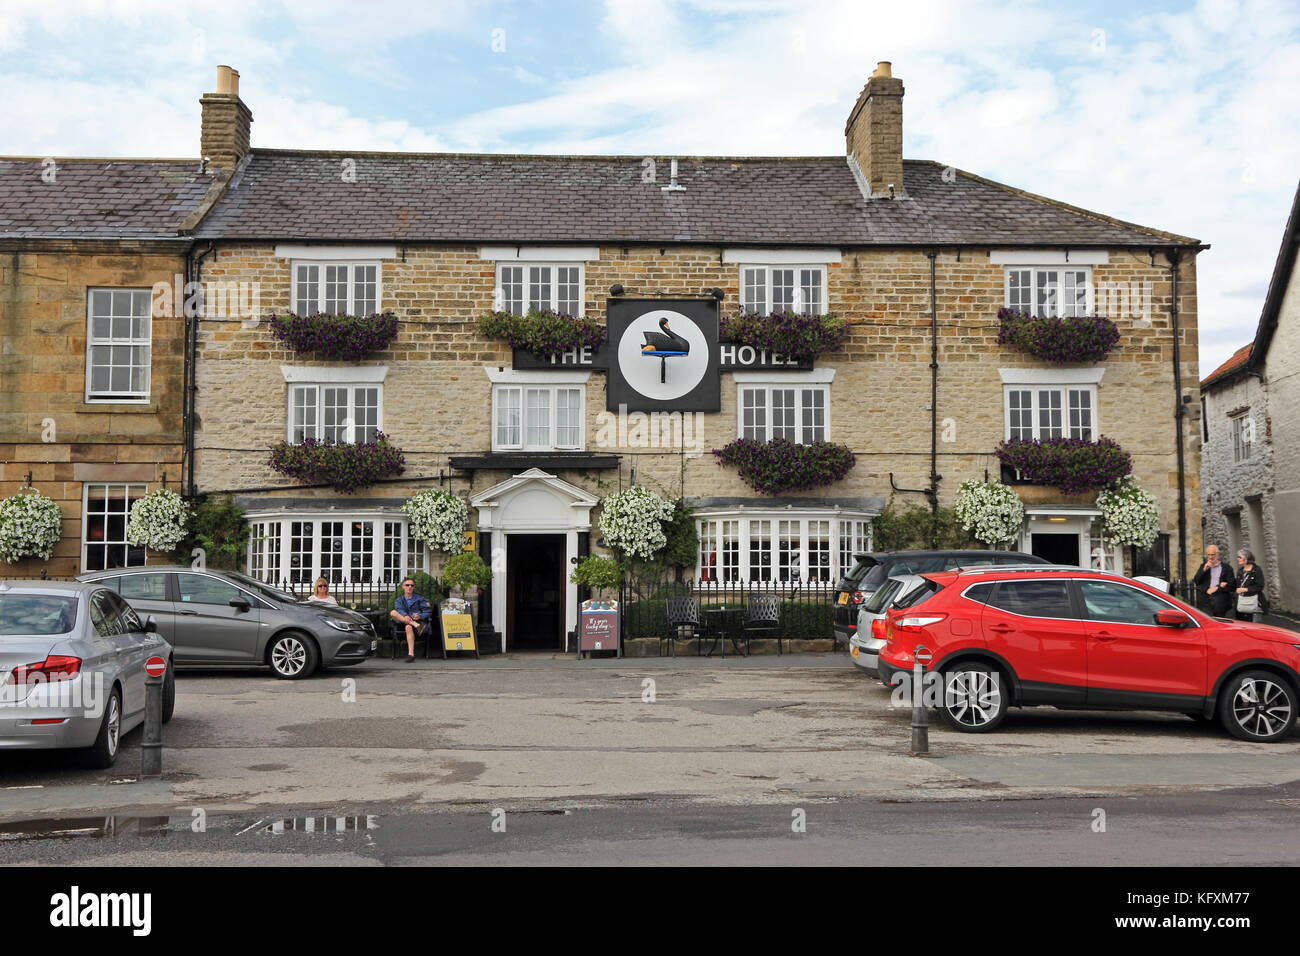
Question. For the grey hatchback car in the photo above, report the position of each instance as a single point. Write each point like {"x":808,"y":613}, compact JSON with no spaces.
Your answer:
{"x":72,"y":668}
{"x":223,"y":617}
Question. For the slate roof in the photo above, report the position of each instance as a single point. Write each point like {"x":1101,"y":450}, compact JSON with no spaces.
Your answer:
{"x":99,"y":198}
{"x":289,"y":195}
{"x":1236,"y":362}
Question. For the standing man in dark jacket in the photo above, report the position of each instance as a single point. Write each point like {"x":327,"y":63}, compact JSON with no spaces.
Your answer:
{"x":1216,"y":585}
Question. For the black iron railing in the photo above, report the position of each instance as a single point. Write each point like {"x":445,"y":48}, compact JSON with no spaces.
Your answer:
{"x":806,"y":607}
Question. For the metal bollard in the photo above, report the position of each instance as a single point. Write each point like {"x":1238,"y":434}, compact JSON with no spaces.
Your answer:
{"x":920,"y":713}
{"x":151,"y":742}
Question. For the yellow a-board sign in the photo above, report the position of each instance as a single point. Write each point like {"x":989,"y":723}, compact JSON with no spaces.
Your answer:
{"x":458,"y":632}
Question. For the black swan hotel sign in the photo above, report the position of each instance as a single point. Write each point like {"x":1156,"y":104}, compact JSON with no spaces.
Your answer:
{"x":664,"y":355}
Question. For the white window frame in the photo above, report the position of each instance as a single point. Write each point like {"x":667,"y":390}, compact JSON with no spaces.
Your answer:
{"x":1063,"y":389}
{"x":711,"y":524}
{"x":274,"y":550}
{"x":131,"y":487}
{"x":129,"y":397}
{"x":297,"y":306}
{"x":818,"y":308}
{"x":1241,"y":451}
{"x":1035,"y":270}
{"x":799,"y":388}
{"x":499,"y":303}
{"x":320,"y":387}
{"x":523,"y":388}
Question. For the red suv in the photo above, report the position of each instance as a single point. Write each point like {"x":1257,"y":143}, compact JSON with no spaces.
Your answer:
{"x":1073,"y":638}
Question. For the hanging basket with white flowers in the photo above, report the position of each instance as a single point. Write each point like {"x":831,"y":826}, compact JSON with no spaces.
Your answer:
{"x":30,"y":526}
{"x":1129,"y":514}
{"x":632,"y":521}
{"x":158,"y":521}
{"x":438,"y":518}
{"x":990,"y":510}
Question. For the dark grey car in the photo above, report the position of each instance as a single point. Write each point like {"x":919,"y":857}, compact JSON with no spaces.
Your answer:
{"x":223,"y":617}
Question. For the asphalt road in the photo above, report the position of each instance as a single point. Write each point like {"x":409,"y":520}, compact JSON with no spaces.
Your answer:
{"x":647,"y":760}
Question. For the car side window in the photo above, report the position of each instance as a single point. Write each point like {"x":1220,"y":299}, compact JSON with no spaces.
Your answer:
{"x":980,"y":593}
{"x":201,"y":589}
{"x":1119,"y":603}
{"x":143,"y":587}
{"x":125,"y":614}
{"x":1034,"y":598}
{"x":103,"y":615}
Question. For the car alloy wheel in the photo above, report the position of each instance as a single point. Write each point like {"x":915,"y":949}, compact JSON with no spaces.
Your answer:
{"x":114,"y":720}
{"x":973,"y":699}
{"x":1259,"y":706}
{"x":103,"y":752}
{"x":292,"y":656}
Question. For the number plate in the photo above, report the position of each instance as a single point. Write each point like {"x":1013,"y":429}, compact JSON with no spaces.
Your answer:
{"x":844,"y":597}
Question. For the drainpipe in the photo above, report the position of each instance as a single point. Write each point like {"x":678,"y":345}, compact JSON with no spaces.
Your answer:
{"x":194,"y":273}
{"x":934,"y":388}
{"x":1180,"y":411}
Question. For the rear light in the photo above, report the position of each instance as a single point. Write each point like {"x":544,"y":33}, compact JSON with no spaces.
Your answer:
{"x":878,"y":628}
{"x":858,"y":597}
{"x":921,"y":620}
{"x":51,"y":669}
{"x":49,"y":720}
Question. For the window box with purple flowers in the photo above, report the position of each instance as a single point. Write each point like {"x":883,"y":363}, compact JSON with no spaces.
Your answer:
{"x":542,"y":332}
{"x":345,"y":466}
{"x":787,"y":333}
{"x":779,"y":466}
{"x":1060,"y":340}
{"x":1071,"y":465}
{"x":341,"y":338}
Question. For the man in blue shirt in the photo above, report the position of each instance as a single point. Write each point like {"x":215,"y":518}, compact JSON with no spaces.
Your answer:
{"x":413,"y":612}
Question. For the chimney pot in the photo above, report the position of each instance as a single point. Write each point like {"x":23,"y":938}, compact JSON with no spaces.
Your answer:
{"x":227,"y":81}
{"x":883,"y":68}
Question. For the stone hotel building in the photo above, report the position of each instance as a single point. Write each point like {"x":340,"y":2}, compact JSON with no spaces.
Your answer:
{"x":917,"y":256}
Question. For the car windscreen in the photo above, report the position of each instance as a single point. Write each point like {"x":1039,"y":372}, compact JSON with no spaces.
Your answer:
{"x":264,"y":590}
{"x":27,"y":615}
{"x":881,"y":597}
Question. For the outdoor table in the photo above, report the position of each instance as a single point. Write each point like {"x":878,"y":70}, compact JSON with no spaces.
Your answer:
{"x":721,"y":620}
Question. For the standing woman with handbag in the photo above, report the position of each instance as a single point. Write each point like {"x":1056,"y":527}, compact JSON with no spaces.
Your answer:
{"x":1250,"y":589}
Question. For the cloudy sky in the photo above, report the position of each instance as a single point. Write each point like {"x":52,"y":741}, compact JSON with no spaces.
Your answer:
{"x":1178,"y":115}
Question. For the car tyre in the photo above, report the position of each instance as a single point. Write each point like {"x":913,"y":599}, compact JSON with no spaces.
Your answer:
{"x":292,"y":655}
{"x":974,"y":698}
{"x":1258,"y":705}
{"x":103,"y":752}
{"x":169,"y":695}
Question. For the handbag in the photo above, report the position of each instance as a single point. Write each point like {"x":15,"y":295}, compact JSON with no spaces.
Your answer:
{"x":1248,"y":604}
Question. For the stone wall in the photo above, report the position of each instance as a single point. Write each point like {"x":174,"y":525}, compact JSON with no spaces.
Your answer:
{"x":46,"y":426}
{"x":1282,"y":370}
{"x":437,"y":397}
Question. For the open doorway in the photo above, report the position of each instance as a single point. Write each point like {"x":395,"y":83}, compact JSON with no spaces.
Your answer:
{"x":1056,"y":548}
{"x":535,"y":589}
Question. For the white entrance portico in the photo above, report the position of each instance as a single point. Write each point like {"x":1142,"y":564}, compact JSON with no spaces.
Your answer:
{"x":532,"y":503}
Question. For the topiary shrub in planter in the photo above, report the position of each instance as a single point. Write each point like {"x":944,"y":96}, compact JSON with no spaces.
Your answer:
{"x":466,"y":572}
{"x":598,"y":573}
{"x":1069,"y":464}
{"x":780,"y":466}
{"x":1056,"y":339}
{"x":542,"y":331}
{"x":346,"y":466}
{"x":789,"y":333}
{"x":342,"y":338}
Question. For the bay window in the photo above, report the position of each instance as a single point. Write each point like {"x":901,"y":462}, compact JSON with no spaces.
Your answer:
{"x":358,"y":549}
{"x":814,"y":547}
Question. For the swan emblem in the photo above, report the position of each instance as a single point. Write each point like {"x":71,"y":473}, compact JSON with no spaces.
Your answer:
{"x":666,"y":342}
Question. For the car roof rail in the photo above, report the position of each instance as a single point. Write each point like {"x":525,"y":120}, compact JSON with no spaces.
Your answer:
{"x":986,"y":569}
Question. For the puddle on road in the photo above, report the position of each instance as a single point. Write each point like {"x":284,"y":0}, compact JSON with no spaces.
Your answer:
{"x":119,"y":827}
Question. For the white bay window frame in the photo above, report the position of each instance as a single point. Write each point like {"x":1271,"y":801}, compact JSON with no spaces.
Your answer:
{"x":779,"y":547}
{"x":347,"y":549}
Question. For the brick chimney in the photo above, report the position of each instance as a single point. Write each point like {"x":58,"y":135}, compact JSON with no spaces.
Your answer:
{"x":874,"y":135}
{"x":226,"y":121}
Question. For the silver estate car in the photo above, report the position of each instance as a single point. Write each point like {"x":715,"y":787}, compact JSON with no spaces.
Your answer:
{"x":72,"y":673}
{"x":901,"y":590}
{"x":223,"y":617}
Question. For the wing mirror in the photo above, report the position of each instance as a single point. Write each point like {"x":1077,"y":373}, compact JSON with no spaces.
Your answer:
{"x":150,"y":625}
{"x":1172,"y":618}
{"x":240,"y":604}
